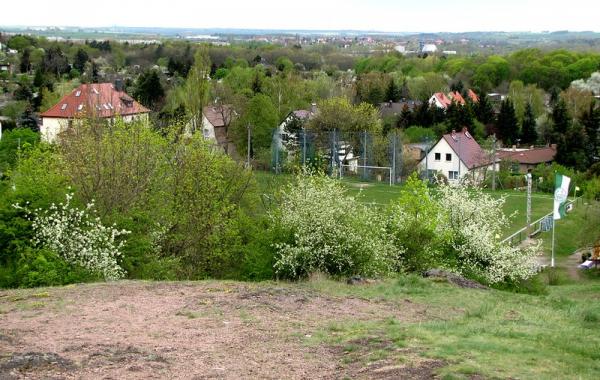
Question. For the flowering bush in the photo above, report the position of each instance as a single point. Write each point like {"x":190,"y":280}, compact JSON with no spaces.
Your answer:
{"x":78,"y":237}
{"x":474,"y":222}
{"x":330,"y":232}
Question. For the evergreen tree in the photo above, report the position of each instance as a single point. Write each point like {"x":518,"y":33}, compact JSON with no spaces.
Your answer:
{"x":27,"y":120}
{"x":25,"y":63}
{"x":81,"y":58}
{"x":561,"y":118}
{"x":528,"y":131}
{"x":591,"y":123}
{"x":507,"y":124}
{"x":484,"y":112}
{"x":257,"y":84}
{"x":406,"y":118}
{"x":392,"y":93}
{"x":571,"y":148}
{"x":458,"y":87}
{"x":148,"y":89}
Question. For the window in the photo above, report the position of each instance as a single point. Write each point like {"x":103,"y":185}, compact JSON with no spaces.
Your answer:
{"x":448,"y":156}
{"x":438,"y":156}
{"x":452,"y":175}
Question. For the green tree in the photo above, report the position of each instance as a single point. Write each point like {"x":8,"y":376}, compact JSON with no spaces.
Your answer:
{"x":591,"y":123}
{"x":11,"y":142}
{"x":25,"y":63}
{"x":262,"y":118}
{"x":339,"y":114}
{"x":507,"y":123}
{"x":393,"y":92}
{"x":528,"y":126}
{"x":484,"y":112}
{"x":560,"y":118}
{"x":148,"y":89}
{"x":81,"y":58}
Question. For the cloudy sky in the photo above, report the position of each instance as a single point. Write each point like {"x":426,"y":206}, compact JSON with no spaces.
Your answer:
{"x":381,"y":15}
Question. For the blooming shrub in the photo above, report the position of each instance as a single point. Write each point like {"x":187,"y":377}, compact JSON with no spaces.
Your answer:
{"x":78,"y":237}
{"x":330,"y":232}
{"x":474,"y":222}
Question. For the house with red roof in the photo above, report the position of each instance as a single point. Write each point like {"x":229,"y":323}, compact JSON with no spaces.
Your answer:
{"x":458,"y":157}
{"x":443,"y":101}
{"x":525,"y":160}
{"x":99,"y":100}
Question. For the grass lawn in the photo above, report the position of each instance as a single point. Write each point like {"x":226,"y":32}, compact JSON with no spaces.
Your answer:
{"x":478,"y":333}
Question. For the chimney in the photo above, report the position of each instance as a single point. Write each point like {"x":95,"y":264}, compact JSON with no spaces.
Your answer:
{"x":313,"y":108}
{"x":465,"y":130}
{"x":119,"y":86}
{"x":531,"y":147}
{"x":514,"y":148}
{"x":553,"y":146}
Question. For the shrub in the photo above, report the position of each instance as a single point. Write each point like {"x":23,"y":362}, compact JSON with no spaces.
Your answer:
{"x":42,"y":267}
{"x":328,"y":231}
{"x":78,"y":237}
{"x":474,"y":222}
{"x":414,"y":224}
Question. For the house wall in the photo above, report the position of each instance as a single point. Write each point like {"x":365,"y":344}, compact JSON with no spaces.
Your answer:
{"x":208,"y":130}
{"x":442,"y":165}
{"x":51,"y":127}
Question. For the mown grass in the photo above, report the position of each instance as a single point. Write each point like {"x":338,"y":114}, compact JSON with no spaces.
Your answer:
{"x":491,"y":333}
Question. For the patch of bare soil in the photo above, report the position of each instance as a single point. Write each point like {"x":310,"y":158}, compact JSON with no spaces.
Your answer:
{"x":145,"y":330}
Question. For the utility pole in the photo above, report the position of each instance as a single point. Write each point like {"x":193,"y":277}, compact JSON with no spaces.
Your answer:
{"x":528,"y":176}
{"x":494,"y":163}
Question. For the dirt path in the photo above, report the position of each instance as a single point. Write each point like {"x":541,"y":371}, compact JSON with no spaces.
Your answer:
{"x":199,"y":330}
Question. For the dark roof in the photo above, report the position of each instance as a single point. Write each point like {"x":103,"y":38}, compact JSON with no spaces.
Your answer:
{"x":99,"y":99}
{"x":395,"y":108}
{"x":530,"y":156}
{"x":218,"y":116}
{"x":467,"y":149}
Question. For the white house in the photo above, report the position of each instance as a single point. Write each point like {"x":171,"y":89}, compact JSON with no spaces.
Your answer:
{"x":101,"y":100}
{"x":458,"y":157}
{"x":429,"y":48}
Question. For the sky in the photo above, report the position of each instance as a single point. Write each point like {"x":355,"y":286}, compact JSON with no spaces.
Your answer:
{"x":379,"y":15}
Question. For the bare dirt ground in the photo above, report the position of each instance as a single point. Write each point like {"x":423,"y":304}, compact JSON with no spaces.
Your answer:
{"x":199,"y":330}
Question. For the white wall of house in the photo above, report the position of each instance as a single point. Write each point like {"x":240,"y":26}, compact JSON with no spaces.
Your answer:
{"x":51,"y":127}
{"x":442,"y":164}
{"x":434,"y":101}
{"x":208,"y":130}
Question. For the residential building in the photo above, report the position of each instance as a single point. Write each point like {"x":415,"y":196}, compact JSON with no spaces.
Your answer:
{"x":388,"y":109}
{"x":443,"y":101}
{"x":94,"y":100}
{"x":458,"y":157}
{"x":216,"y":120}
{"x":525,"y":160}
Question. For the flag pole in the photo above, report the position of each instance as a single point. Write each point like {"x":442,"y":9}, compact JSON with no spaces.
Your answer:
{"x":553,"y":228}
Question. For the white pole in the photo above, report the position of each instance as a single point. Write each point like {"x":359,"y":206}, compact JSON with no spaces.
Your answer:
{"x":553,"y":228}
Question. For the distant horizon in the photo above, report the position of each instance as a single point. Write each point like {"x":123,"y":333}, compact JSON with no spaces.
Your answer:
{"x":383,"y":16}
{"x":310,"y":30}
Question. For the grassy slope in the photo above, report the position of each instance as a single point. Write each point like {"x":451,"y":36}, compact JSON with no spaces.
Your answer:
{"x":491,"y":333}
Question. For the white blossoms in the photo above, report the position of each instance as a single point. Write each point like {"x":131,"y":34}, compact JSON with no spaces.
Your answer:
{"x":78,"y":237}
